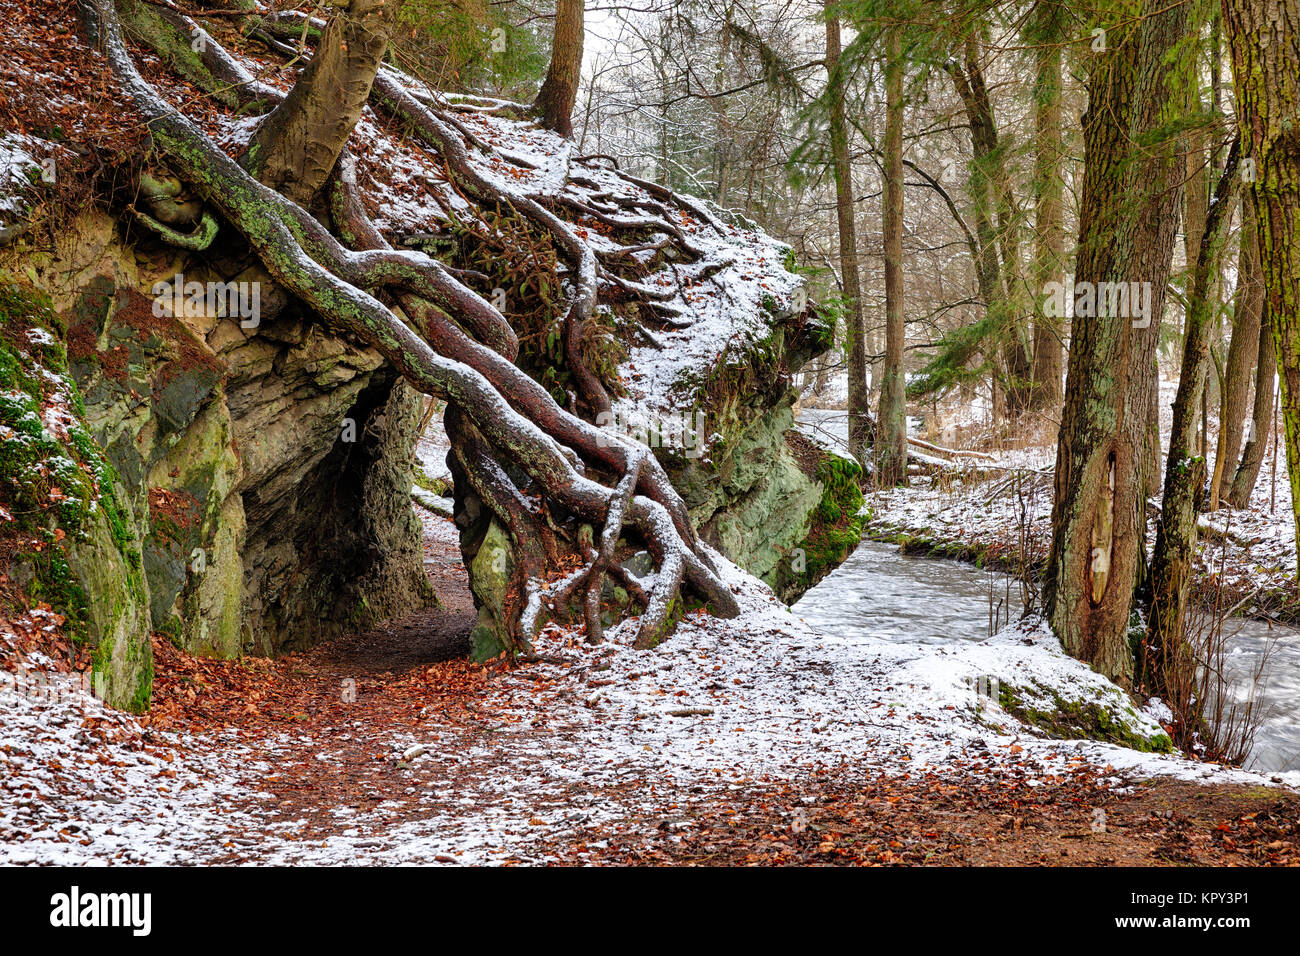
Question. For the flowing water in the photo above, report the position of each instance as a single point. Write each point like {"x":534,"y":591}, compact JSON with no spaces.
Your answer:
{"x":881,"y":593}
{"x":1277,"y":745}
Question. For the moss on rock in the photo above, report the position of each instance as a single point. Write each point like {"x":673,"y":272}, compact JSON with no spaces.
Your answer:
{"x":489,"y":577}
{"x":1108,"y":718}
{"x":69,"y":532}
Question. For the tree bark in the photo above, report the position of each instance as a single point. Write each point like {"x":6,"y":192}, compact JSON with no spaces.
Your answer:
{"x":1168,"y":667}
{"x":560,"y":88}
{"x":1127,"y":230}
{"x":891,"y":444}
{"x":1261,"y":419}
{"x":860,"y":430}
{"x":1243,"y":355}
{"x":1049,"y":231}
{"x":1264,"y":36}
{"x":295,"y":148}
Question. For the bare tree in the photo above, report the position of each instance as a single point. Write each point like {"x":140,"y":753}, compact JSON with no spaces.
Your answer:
{"x":891,"y":451}
{"x":860,"y":430}
{"x":560,"y":88}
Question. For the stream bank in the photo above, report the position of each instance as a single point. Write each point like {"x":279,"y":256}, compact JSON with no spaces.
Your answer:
{"x":990,"y":518}
{"x":919,"y":599}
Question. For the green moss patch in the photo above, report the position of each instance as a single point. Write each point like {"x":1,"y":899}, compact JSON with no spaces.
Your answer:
{"x":1078,"y":719}
{"x":835,"y":528}
{"x":67,"y":540}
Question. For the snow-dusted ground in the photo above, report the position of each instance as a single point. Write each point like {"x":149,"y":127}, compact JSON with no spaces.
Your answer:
{"x":593,"y":734}
{"x":885,"y":667}
{"x":80,"y":783}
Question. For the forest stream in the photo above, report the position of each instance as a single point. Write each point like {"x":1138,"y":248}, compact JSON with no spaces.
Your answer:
{"x":881,"y":593}
{"x":921,"y":600}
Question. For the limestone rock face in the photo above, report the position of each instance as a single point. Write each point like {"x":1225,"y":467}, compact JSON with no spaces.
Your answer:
{"x":117,"y":600}
{"x":265,"y":460}
{"x":265,"y":465}
{"x":761,"y":505}
{"x":759,"y":492}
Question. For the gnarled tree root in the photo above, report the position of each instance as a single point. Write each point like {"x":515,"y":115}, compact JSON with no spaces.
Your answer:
{"x":303,"y":257}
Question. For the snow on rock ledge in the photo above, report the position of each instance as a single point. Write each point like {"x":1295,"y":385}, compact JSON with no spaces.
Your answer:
{"x":1021,"y":676}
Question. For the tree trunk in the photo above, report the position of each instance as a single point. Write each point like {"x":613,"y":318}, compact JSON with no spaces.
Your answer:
{"x":1127,"y":230}
{"x":1151,"y":455}
{"x":854,"y":326}
{"x":560,"y":88}
{"x":1049,"y":232}
{"x":891,"y":454}
{"x":1264,"y":36}
{"x":1168,"y":667}
{"x":821,"y":376}
{"x":295,"y":148}
{"x":1195,"y":201}
{"x":996,"y":229}
{"x":1243,"y":354}
{"x":1261,"y":420}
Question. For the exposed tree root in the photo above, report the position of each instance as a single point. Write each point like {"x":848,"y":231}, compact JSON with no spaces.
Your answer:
{"x":434,"y":121}
{"x":196,"y":240}
{"x":445,"y":137}
{"x":463,"y":353}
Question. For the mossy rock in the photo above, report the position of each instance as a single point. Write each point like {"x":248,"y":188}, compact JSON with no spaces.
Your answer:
{"x":1109,"y":718}
{"x":835,"y":525}
{"x":74,"y":540}
{"x":489,"y":574}
{"x":441,"y":487}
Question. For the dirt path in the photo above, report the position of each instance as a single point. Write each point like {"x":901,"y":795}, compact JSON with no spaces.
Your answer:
{"x":997,"y":823}
{"x":330,"y":726}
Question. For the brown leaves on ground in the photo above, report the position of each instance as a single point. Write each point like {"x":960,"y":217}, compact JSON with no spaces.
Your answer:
{"x":330,"y":725}
{"x":829,"y":818}
{"x":307,"y":691}
{"x":54,"y":86}
{"x":830,"y":821}
{"x":38,"y":629}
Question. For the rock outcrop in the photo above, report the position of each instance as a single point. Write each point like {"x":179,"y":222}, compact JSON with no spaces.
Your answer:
{"x":776,"y":504}
{"x":263,"y":463}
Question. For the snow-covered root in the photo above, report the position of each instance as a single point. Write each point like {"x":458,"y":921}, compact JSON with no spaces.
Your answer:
{"x":443,"y":135}
{"x":442,"y":130}
{"x":308,"y":262}
{"x":523,"y":392}
{"x":495,"y":487}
